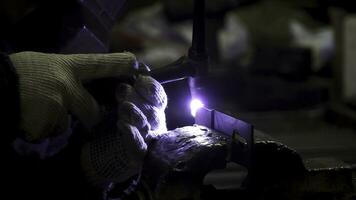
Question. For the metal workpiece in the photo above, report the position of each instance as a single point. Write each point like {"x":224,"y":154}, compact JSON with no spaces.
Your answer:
{"x":178,"y":161}
{"x":327,"y":175}
{"x":279,"y":172}
{"x":180,"y":147}
{"x":241,"y":133}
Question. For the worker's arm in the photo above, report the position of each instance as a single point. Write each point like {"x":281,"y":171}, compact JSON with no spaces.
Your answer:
{"x":50,"y":87}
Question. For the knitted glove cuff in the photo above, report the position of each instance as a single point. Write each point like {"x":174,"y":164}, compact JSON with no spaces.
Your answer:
{"x":10,"y":98}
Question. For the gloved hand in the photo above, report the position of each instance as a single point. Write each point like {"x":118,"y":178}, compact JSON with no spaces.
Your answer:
{"x":50,"y":87}
{"x":143,"y":105}
{"x":115,"y":157}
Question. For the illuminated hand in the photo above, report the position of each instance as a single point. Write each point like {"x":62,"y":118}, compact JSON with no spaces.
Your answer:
{"x":117,"y":156}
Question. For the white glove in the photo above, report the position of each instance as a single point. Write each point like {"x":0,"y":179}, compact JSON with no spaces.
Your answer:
{"x":143,"y":105}
{"x":50,"y":87}
{"x":115,"y":157}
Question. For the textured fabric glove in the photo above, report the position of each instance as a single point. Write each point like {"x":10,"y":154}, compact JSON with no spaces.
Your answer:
{"x":143,"y":105}
{"x":116,"y":156}
{"x":50,"y":87}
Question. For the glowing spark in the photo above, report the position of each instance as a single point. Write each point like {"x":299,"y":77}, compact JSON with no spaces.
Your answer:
{"x":195,"y":105}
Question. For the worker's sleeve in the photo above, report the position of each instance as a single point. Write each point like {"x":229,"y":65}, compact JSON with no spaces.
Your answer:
{"x":9,"y":101}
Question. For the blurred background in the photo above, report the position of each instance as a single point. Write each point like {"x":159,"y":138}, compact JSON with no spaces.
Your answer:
{"x":286,"y":66}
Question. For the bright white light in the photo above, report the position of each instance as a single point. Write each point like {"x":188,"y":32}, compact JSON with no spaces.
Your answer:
{"x":195,"y":105}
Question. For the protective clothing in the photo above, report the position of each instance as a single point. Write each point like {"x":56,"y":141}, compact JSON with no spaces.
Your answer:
{"x":118,"y":155}
{"x":50,"y":86}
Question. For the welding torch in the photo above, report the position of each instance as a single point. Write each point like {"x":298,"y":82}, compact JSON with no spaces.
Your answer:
{"x":192,"y":66}
{"x":195,"y":64}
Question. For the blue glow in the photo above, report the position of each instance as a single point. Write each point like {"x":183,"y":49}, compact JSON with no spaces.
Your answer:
{"x":195,"y":105}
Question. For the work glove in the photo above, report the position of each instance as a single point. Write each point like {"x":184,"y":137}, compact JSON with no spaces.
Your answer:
{"x":50,"y":87}
{"x":116,"y":156}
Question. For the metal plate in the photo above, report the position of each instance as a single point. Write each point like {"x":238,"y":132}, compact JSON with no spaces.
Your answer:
{"x":240,"y":152}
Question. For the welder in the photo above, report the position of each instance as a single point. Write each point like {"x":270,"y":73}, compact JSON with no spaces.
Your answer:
{"x":43,"y":92}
